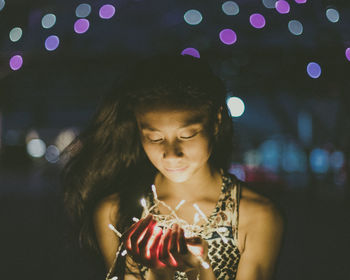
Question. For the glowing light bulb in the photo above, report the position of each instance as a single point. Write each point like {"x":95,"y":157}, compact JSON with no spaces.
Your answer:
{"x":48,"y":21}
{"x":83,"y":10}
{"x":295,"y":27}
{"x":107,"y":11}
{"x":193,"y":17}
{"x":332,"y":15}
{"x":52,"y":42}
{"x":257,"y":21}
{"x":282,"y":7}
{"x":191,"y":51}
{"x":15,"y":34}
{"x":228,"y":36}
{"x":16,"y":62}
{"x":314,"y":70}
{"x":230,"y":8}
{"x":81,"y":25}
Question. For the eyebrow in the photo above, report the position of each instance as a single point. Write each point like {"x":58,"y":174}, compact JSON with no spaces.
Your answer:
{"x":191,"y":121}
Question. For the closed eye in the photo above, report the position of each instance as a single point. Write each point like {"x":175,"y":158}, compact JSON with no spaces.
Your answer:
{"x":155,"y":140}
{"x":189,"y":137}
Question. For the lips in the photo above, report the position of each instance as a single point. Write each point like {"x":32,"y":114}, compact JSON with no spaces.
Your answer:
{"x":178,"y":169}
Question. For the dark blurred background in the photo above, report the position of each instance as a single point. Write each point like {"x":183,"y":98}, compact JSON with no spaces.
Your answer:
{"x":286,"y":66}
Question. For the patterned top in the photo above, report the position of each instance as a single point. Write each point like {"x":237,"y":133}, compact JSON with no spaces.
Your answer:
{"x":224,"y":257}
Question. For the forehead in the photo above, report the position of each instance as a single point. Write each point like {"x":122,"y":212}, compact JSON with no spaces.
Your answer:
{"x":159,"y":119}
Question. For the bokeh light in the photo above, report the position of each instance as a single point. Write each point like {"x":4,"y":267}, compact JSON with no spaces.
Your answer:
{"x":236,"y":106}
{"x":193,"y":17}
{"x":300,"y":1}
{"x":32,"y":134}
{"x":347,"y":54}
{"x":319,"y":160}
{"x":81,"y":25}
{"x":282,"y":7}
{"x":52,"y":42}
{"x":15,"y":34}
{"x":295,"y":27}
{"x":64,"y":138}
{"x":191,"y":51}
{"x":48,"y":21}
{"x":314,"y":70}
{"x":36,"y":148}
{"x":271,"y":152}
{"x":257,"y":21}
{"x":83,"y":10}
{"x":293,"y":159}
{"x":238,"y":171}
{"x":107,"y":11}
{"x":270,"y":4}
{"x":2,"y":4}
{"x":332,"y":15}
{"x":52,"y":154}
{"x":16,"y":62}
{"x":252,"y":158}
{"x":228,"y":36}
{"x":230,"y":8}
{"x":337,"y":160}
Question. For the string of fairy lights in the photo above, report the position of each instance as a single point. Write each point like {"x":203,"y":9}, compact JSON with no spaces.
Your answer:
{"x":166,"y":221}
{"x":193,"y":17}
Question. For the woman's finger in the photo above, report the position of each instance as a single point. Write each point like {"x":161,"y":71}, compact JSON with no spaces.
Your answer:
{"x":154,"y":249}
{"x":183,"y":250}
{"x":173,"y":249}
{"x":142,"y":245}
{"x":136,"y":233}
{"x":164,"y":250}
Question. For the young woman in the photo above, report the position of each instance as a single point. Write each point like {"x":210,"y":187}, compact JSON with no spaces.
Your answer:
{"x":167,"y":124}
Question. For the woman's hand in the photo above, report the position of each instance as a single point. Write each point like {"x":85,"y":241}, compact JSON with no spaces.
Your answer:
{"x":163,"y":253}
{"x":142,"y":241}
{"x":182,"y":253}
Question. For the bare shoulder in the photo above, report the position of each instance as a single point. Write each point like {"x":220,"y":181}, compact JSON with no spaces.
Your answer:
{"x":258,"y":213}
{"x":254,"y":206}
{"x":106,"y":213}
{"x":107,"y":209}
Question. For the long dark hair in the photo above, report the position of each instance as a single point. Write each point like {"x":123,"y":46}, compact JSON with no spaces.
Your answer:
{"x":107,"y":157}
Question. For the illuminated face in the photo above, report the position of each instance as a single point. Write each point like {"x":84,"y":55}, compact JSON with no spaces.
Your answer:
{"x":175,"y":141}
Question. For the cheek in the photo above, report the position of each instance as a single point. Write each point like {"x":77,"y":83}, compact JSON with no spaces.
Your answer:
{"x":152,"y":151}
{"x":198,"y":150}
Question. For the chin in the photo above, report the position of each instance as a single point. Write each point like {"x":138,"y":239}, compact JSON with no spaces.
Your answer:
{"x":177,"y":177}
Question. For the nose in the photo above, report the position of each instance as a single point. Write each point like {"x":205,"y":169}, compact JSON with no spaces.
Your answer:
{"x":172,"y":150}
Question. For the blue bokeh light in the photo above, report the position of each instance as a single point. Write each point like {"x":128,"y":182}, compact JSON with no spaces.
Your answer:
{"x":314,"y":70}
{"x":230,"y":8}
{"x":193,"y":17}
{"x":319,"y":160}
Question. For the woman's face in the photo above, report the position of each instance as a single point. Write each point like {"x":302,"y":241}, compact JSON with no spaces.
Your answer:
{"x":175,"y":141}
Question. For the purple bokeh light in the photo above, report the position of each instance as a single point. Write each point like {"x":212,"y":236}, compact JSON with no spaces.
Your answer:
{"x":81,"y":25}
{"x":314,"y":70}
{"x":16,"y":62}
{"x":191,"y":51}
{"x":300,"y":1}
{"x":107,"y":11}
{"x":228,"y":36}
{"x":257,"y":21}
{"x":282,"y":7}
{"x":347,"y":54}
{"x":52,"y":42}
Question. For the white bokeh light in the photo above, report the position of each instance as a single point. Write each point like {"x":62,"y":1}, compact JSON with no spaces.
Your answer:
{"x":36,"y":148}
{"x":236,"y":106}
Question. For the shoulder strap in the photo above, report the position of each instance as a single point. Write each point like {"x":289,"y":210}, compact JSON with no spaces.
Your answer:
{"x":238,"y":197}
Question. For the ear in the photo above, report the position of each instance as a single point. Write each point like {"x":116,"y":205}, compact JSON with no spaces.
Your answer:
{"x":218,"y":122}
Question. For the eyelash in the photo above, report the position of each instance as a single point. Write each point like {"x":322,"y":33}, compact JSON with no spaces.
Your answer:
{"x":182,"y":138}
